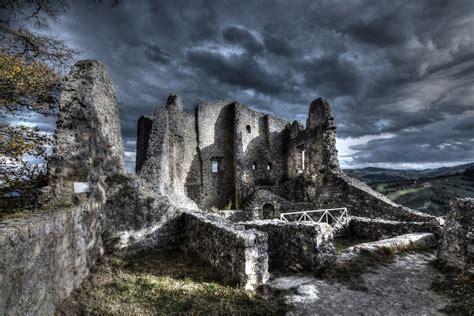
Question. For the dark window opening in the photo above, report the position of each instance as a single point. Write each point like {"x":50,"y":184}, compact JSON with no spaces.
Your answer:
{"x":249,"y":129}
{"x":254,"y":166}
{"x":269,"y":166}
{"x":215,"y":166}
{"x":268,"y":211}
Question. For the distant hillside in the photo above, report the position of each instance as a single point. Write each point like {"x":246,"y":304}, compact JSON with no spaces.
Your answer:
{"x":374,"y":175}
{"x":427,"y":190}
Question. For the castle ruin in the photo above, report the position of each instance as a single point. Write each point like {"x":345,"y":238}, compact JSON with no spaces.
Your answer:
{"x":220,"y":155}
{"x":224,"y":155}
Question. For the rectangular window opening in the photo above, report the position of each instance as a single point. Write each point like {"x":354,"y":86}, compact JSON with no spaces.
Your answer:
{"x":215,"y":166}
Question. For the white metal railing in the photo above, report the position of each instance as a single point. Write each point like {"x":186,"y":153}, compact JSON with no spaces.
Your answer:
{"x":328,"y":216}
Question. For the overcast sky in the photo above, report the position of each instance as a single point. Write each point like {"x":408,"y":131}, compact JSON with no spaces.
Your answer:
{"x":398,"y":74}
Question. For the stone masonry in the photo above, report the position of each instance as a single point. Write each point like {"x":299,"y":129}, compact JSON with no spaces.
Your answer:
{"x":456,"y":247}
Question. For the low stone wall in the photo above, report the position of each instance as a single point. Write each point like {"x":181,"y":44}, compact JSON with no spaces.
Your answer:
{"x":240,"y":255}
{"x":44,"y":257}
{"x":296,"y":246}
{"x":456,"y":245}
{"x":398,"y":244}
{"x":376,"y":229}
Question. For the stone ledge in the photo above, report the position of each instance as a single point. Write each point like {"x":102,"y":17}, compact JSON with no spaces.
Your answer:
{"x":377,"y":229}
{"x":394,"y":245}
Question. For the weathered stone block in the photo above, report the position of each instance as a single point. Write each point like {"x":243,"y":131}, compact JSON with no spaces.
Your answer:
{"x":296,"y":246}
{"x":239,"y":254}
{"x":44,"y":257}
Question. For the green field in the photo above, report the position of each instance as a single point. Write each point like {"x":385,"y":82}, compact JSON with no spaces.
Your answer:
{"x":431,"y":195}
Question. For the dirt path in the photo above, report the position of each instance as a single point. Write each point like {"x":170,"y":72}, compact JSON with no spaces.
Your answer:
{"x":399,"y":288}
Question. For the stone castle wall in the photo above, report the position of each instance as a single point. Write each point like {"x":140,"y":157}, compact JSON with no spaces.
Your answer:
{"x":456,"y":247}
{"x":44,"y":257}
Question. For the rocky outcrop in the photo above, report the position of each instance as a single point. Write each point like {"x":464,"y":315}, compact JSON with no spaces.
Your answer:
{"x":456,"y":245}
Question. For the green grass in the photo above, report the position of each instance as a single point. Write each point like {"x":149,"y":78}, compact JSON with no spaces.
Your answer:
{"x":163,"y":283}
{"x":431,"y":195}
{"x":397,"y":194}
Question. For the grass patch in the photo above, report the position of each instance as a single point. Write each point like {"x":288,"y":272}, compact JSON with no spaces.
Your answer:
{"x":395,"y":195}
{"x":164,"y":283}
{"x":458,"y":286}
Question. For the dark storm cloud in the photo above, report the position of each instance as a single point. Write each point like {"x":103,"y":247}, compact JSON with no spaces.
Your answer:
{"x":240,"y":70}
{"x":156,"y":54}
{"x":244,"y":38}
{"x":401,"y":68}
{"x":332,"y":76}
{"x":279,"y":46}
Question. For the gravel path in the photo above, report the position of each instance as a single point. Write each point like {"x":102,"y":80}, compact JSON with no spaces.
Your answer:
{"x":399,"y":288}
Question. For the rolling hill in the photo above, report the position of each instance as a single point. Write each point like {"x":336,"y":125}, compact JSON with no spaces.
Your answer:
{"x":428,"y":190}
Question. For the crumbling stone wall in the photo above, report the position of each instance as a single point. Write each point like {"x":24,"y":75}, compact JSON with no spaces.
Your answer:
{"x":296,"y":246}
{"x":44,"y":257}
{"x":215,"y":143}
{"x":88,"y":145}
{"x":456,"y":245}
{"x":239,"y":254}
{"x":172,"y":146}
{"x":341,"y":190}
{"x":139,"y":219}
{"x":260,"y":149}
{"x":377,"y":229}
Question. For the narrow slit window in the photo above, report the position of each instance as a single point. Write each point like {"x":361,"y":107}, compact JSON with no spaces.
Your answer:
{"x":248,"y":128}
{"x":215,"y":166}
{"x":302,"y":160}
{"x":269,"y":166}
{"x":254,"y":166}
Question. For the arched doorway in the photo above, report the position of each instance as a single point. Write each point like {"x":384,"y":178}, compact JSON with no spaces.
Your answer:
{"x":268,"y":211}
